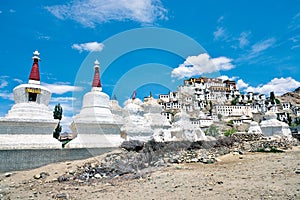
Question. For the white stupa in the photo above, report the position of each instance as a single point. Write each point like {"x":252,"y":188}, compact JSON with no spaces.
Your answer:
{"x":254,"y":128}
{"x":116,"y":110}
{"x":271,"y":126}
{"x":29,"y":123}
{"x":95,"y":125}
{"x":152,"y":113}
{"x":135,"y":127}
{"x":183,"y":129}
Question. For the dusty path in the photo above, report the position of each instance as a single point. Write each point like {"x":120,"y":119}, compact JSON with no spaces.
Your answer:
{"x":249,"y":176}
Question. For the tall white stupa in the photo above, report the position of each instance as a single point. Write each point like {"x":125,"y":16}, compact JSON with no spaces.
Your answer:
{"x":29,"y":123}
{"x":95,"y":125}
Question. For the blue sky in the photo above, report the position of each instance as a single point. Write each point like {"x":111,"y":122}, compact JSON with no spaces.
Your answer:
{"x":256,"y":43}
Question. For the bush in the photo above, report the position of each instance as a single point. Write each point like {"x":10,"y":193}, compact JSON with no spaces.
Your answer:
{"x":212,"y":131}
{"x":229,"y":132}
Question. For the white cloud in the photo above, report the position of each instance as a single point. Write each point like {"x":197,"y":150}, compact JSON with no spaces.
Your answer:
{"x":89,"y":46}
{"x":295,"y":46}
{"x":295,"y":22}
{"x":92,"y":12}
{"x":243,"y":39}
{"x":241,"y":84}
{"x":6,"y":95}
{"x":18,"y":80}
{"x":201,"y":64}
{"x":220,"y":19}
{"x":62,"y":99}
{"x":220,"y":34}
{"x":278,"y":85}
{"x":3,"y":83}
{"x":257,"y":49}
{"x":224,"y":78}
{"x":262,"y":45}
{"x":61,"y":88}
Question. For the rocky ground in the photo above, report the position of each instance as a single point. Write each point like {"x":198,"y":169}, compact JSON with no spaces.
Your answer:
{"x":229,"y":168}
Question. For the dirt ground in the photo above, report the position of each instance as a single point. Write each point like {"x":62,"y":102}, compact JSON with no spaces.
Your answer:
{"x":248,"y":176}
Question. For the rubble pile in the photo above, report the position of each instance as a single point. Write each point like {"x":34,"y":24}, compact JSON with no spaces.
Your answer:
{"x":141,"y":158}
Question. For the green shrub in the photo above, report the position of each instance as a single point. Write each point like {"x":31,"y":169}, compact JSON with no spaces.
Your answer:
{"x":212,"y":131}
{"x":229,"y":132}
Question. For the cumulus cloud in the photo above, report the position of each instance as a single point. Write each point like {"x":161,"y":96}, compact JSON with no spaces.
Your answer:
{"x":89,"y":46}
{"x":57,"y":88}
{"x":224,"y":77}
{"x":92,"y":12}
{"x":278,"y":85}
{"x":201,"y":64}
{"x":240,"y":84}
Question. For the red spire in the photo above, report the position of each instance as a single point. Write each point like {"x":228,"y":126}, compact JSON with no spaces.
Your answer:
{"x":35,"y":72}
{"x":96,"y":80}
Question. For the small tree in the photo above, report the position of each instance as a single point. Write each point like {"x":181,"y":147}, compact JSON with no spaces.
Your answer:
{"x":234,"y":101}
{"x":210,"y":107}
{"x":57,"y":131}
{"x":272,"y":97}
{"x":289,"y":119}
{"x":220,"y":116}
{"x":57,"y":114}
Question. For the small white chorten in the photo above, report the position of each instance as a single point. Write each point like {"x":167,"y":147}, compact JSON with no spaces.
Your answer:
{"x":135,"y":127}
{"x":254,"y":128}
{"x":271,"y":126}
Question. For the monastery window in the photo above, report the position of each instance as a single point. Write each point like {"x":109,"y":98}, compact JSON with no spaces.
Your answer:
{"x":32,"y":96}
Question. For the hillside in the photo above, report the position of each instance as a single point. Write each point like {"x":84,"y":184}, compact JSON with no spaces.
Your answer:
{"x":292,"y":97}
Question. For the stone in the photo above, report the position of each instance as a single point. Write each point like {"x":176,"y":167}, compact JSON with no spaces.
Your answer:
{"x":62,"y":196}
{"x":297,"y":171}
{"x":37,"y":176}
{"x":43,"y":175}
{"x":71,"y":172}
{"x":98,"y":176}
{"x":8,"y":174}
{"x":62,"y":179}
{"x":133,"y":145}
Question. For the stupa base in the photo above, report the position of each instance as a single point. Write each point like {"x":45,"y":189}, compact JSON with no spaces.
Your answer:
{"x":25,"y":134}
{"x":95,"y":135}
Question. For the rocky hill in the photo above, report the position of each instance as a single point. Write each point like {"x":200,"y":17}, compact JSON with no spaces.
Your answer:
{"x":292,"y":97}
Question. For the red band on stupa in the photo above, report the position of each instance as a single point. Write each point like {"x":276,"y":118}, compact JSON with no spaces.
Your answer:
{"x":96,"y":81}
{"x":35,"y":72}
